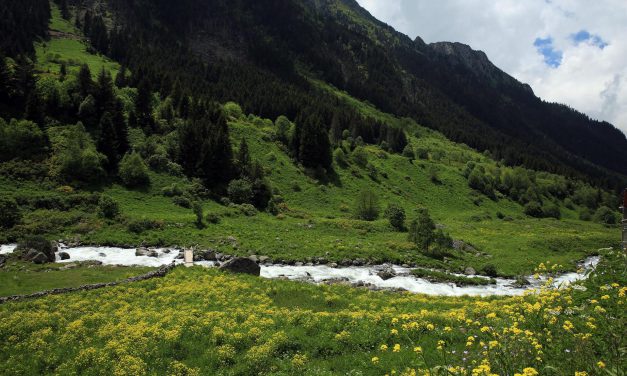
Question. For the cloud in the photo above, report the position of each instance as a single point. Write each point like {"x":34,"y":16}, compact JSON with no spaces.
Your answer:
{"x":552,"y":57}
{"x":584,"y":64}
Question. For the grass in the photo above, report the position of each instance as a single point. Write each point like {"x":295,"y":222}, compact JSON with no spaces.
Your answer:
{"x":26,"y":278}
{"x":68,"y":45}
{"x":199,"y":321}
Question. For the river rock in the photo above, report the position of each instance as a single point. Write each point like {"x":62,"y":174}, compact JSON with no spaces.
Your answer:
{"x":254,"y":258}
{"x":152,"y":253}
{"x":242,"y":265}
{"x":141,"y":251}
{"x":298,"y":263}
{"x":333,"y":265}
{"x":263,"y":259}
{"x":71,"y":265}
{"x":64,"y":255}
{"x":386,"y":273}
{"x":346,"y":262}
{"x":470,"y":271}
{"x":101,"y":254}
{"x":39,"y":258}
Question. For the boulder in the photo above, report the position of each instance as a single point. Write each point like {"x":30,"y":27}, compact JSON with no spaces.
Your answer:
{"x":101,"y":254}
{"x":242,"y":265}
{"x":141,"y":251}
{"x":298,"y":263}
{"x":386,"y":273}
{"x":333,"y":265}
{"x":470,"y":271}
{"x":152,"y":253}
{"x":263,"y":259}
{"x":346,"y":262}
{"x":39,"y":258}
{"x":180,"y":256}
{"x":254,"y":258}
{"x":205,"y":255}
{"x":71,"y":265}
{"x":64,"y":255}
{"x":2,"y":260}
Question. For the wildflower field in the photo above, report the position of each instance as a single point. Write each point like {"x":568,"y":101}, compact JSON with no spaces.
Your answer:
{"x":199,"y":321}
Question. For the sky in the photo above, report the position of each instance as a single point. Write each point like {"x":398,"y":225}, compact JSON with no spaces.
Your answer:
{"x":569,"y":51}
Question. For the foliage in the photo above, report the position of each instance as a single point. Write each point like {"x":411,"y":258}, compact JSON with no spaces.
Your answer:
{"x":133,"y":171}
{"x":197,"y":209}
{"x":367,"y":206}
{"x":108,"y":207}
{"x":9,"y":213}
{"x":21,"y":139}
{"x":421,"y":230}
{"x":74,"y":155}
{"x":396,"y":216}
{"x":240,"y":191}
{"x":606,"y":215}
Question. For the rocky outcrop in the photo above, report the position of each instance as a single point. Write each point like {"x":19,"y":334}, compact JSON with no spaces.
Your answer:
{"x":242,"y":265}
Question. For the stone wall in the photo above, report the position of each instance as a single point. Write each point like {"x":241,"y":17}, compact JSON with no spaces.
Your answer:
{"x":161,"y":272}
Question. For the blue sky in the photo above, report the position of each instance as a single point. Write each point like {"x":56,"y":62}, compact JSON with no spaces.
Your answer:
{"x":569,"y":51}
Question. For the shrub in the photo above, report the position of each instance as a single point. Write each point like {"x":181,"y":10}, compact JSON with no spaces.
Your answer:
{"x":340,"y":157}
{"x":422,"y":153}
{"x":585,"y":214}
{"x":276,"y":204}
{"x":133,"y":171}
{"x":442,"y":240}
{"x":490,"y":270}
{"x":182,"y":201}
{"x":21,"y":139}
{"x":240,"y":191}
{"x":108,"y":207}
{"x":605,"y":215}
{"x":172,"y":191}
{"x":421,"y":230}
{"x":233,"y":110}
{"x":367,"y":206}
{"x":533,"y":209}
{"x":9,"y":213}
{"x":360,"y":156}
{"x":396,"y":216}
{"x":212,"y":218}
{"x":551,"y":210}
{"x":408,"y":152}
{"x":248,"y":210}
{"x":38,"y":243}
{"x":142,"y":225}
{"x":197,"y":209}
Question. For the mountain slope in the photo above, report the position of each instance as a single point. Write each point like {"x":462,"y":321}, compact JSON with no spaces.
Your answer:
{"x":444,"y":86}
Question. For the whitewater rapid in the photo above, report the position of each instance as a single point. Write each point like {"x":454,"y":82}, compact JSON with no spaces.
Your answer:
{"x":355,"y":275}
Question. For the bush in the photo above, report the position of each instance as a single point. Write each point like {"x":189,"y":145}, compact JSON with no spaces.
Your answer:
{"x":360,"y":156}
{"x":9,"y":213}
{"x":367,"y":206}
{"x":408,"y":152}
{"x":39,"y":244}
{"x":248,"y":210}
{"x":606,"y":215}
{"x":233,"y":110}
{"x":172,"y":191}
{"x":422,"y":153}
{"x":182,"y":201}
{"x":421,"y":230}
{"x":490,"y":270}
{"x":442,"y":240}
{"x":142,"y":225}
{"x":108,"y":207}
{"x":212,"y":218}
{"x":396,"y":216}
{"x":21,"y":139}
{"x":197,"y":209}
{"x":276,"y":204}
{"x":340,"y":157}
{"x":133,"y":171}
{"x":551,"y":210}
{"x":240,"y":191}
{"x":585,"y":214}
{"x":533,"y":209}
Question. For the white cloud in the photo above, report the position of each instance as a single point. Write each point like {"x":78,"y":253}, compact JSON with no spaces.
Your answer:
{"x":590,"y":78}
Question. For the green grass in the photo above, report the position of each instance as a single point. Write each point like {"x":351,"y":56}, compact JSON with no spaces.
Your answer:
{"x":69,"y":47}
{"x":203,"y":321}
{"x":26,"y":278}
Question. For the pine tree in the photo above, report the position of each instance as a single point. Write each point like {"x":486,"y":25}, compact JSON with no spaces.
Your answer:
{"x":62,"y":71}
{"x":314,"y":148}
{"x":143,"y":106}
{"x":107,"y":144}
{"x":120,"y":78}
{"x":85,"y":83}
{"x":103,"y":92}
{"x":243,"y":159}
{"x":65,"y":12}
